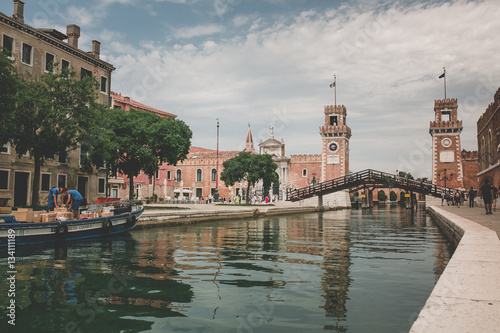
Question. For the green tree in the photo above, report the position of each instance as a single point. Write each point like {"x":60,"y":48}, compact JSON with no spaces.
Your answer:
{"x":382,"y":196}
{"x":9,"y":85}
{"x":50,"y":116}
{"x":133,"y":141}
{"x":393,"y":196}
{"x":250,"y":168}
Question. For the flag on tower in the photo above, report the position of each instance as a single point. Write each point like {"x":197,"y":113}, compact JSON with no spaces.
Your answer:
{"x":442,"y":75}
{"x":332,"y":85}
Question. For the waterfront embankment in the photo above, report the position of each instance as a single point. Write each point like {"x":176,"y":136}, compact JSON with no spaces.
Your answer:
{"x":466,"y":297}
{"x":196,"y":213}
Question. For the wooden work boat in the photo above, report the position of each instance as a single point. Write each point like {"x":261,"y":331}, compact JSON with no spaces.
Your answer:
{"x":15,"y":233}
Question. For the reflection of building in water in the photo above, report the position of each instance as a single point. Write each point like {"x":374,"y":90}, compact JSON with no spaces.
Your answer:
{"x":336,"y":264}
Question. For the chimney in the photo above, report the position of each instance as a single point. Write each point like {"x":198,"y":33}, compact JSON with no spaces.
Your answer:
{"x":96,"y":49}
{"x":18,"y":11}
{"x":73,"y":32}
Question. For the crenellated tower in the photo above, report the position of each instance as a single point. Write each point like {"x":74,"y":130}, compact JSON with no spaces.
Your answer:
{"x":335,"y":136}
{"x":445,"y":131}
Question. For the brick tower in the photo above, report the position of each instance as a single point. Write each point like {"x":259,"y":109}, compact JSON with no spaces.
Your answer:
{"x":335,"y":136}
{"x":446,"y":150}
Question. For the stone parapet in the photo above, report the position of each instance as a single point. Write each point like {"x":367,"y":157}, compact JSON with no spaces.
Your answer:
{"x":467,"y":296}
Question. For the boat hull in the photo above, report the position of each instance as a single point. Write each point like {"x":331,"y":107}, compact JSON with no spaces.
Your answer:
{"x":22,"y":233}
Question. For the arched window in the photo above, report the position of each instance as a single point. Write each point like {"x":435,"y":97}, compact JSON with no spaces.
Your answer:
{"x":483,"y":155}
{"x":198,"y":175}
{"x":214,"y":175}
{"x":490,"y":148}
{"x":178,"y":176}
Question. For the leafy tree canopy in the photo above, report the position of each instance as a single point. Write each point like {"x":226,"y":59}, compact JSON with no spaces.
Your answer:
{"x":134,"y":141}
{"x":50,"y":116}
{"x":251,"y":168}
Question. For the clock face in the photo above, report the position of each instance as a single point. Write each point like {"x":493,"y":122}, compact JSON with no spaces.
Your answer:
{"x":333,"y":147}
{"x":446,"y":142}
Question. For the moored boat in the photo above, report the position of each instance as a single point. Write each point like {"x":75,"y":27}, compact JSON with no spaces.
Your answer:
{"x":14,"y":233}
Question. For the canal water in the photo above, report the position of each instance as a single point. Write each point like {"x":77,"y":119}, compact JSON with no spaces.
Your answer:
{"x":342,"y":271}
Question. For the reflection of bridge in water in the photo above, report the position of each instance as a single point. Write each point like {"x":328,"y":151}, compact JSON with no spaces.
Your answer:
{"x":366,"y":179}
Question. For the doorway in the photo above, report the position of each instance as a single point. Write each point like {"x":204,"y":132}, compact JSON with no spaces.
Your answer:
{"x":21,"y":185}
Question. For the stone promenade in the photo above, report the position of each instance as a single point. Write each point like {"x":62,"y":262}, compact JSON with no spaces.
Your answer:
{"x":467,"y":296}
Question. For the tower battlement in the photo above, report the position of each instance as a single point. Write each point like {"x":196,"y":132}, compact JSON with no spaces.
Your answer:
{"x":445,"y":103}
{"x":335,"y":109}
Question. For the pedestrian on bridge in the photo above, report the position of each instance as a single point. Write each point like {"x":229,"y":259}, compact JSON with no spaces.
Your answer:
{"x":487,"y":195}
{"x":472,"y":194}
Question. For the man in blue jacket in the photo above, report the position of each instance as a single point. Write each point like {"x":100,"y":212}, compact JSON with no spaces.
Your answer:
{"x":52,"y":199}
{"x":76,"y":198}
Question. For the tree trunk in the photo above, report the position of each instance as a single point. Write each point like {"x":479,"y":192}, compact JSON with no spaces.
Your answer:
{"x":248,"y":193}
{"x":35,"y":197}
{"x":131,"y":188}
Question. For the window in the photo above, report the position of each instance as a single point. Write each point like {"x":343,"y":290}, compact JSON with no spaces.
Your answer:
{"x":61,"y":180}
{"x":157,"y":174}
{"x":5,"y":149}
{"x":483,"y":157}
{"x":27,"y":54}
{"x":8,"y":45}
{"x":63,"y":157}
{"x":150,"y":179}
{"x":446,"y":116}
{"x":65,"y":65}
{"x":178,"y":176}
{"x":85,"y":73}
{"x":304,"y":172}
{"x":83,"y":154}
{"x":45,"y":182}
{"x":50,"y":59}
{"x":198,"y":175}
{"x":333,"y":121}
{"x":169,"y":175}
{"x":101,"y":185}
{"x":214,"y":175}
{"x":4,"y":179}
{"x":104,"y":84}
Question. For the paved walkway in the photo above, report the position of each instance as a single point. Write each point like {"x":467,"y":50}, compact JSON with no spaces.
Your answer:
{"x":477,"y":214}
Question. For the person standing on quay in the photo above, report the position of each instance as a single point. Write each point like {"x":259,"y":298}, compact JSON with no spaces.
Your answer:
{"x":487,"y":195}
{"x":76,"y":198}
{"x":52,"y":199}
{"x":471,"y":197}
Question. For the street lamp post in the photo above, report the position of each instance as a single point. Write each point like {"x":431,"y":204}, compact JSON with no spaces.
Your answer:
{"x":445,"y":178}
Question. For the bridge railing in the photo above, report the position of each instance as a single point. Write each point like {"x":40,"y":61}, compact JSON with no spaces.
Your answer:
{"x":366,"y":177}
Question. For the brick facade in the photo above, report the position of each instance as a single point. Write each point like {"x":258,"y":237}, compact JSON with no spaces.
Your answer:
{"x":33,"y":50}
{"x":488,"y":141}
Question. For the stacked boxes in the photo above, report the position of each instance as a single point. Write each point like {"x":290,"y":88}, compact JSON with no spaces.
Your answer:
{"x":48,"y":217}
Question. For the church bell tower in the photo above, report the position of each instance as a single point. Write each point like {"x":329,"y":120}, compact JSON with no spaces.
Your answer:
{"x":446,"y":150}
{"x":335,"y":136}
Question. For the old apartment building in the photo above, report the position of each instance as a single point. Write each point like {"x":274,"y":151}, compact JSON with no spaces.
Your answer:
{"x":33,"y":50}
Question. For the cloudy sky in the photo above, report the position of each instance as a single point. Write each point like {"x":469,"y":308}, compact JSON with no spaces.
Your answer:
{"x":270,"y":63}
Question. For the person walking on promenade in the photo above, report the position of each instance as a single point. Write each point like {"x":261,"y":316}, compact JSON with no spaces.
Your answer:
{"x":471,"y":197}
{"x":76,"y":198}
{"x":52,"y":199}
{"x":487,"y":195}
{"x":457,"y":198}
{"x":442,"y":198}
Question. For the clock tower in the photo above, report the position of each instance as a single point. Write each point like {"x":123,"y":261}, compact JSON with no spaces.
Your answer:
{"x":446,"y":150}
{"x":335,"y":136}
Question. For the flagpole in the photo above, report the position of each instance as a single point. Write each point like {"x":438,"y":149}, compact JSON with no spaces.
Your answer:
{"x":217,"y":162}
{"x":335,"y":86}
{"x":444,"y":71}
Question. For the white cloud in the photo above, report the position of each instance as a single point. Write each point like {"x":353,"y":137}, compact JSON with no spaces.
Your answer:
{"x":197,"y":31}
{"x":387,"y":63}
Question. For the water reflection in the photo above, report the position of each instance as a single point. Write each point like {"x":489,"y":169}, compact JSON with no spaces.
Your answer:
{"x":339,"y":271}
